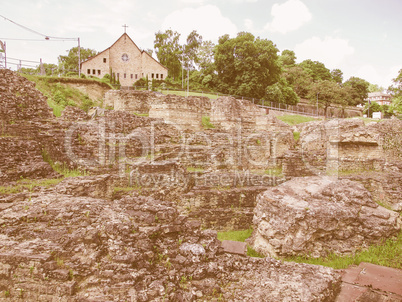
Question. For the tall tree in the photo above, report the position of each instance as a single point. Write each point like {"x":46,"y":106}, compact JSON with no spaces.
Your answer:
{"x":169,"y":51}
{"x":360,"y":86}
{"x":194,"y":41}
{"x":317,"y":70}
{"x":246,"y":65}
{"x":287,"y":57}
{"x":337,"y":76}
{"x":299,"y":79}
{"x":69,"y":63}
{"x":326,"y":92}
{"x":281,"y":92}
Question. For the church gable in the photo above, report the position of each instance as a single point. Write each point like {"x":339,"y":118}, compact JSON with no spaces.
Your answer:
{"x":126,"y":61}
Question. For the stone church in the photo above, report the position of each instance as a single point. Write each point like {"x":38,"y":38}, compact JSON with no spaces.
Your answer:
{"x":126,"y":61}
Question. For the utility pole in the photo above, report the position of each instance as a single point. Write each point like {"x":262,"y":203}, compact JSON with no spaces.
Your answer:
{"x":79,"y":58}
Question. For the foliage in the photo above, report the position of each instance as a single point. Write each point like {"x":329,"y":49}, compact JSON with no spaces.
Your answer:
{"x":299,"y":79}
{"x":287,"y":58}
{"x":370,"y":108}
{"x":316,"y":70}
{"x":396,"y":88}
{"x":337,"y":76}
{"x":70,"y":62}
{"x":281,"y":92}
{"x":194,"y":41}
{"x":206,"y":123}
{"x":168,"y":51}
{"x":241,"y":235}
{"x":389,"y":253}
{"x":326,"y":92}
{"x":361,"y":87}
{"x":396,"y":105}
{"x":375,"y":88}
{"x":245,"y":65}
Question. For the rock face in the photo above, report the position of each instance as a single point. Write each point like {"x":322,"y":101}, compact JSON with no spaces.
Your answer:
{"x":319,"y":215}
{"x":19,"y":100}
{"x":74,"y":247}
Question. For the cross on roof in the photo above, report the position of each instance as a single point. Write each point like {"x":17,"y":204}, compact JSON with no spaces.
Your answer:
{"x":125,"y":27}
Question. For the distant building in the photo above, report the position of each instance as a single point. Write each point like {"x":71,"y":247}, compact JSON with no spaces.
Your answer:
{"x":380,"y":98}
{"x":126,"y":61}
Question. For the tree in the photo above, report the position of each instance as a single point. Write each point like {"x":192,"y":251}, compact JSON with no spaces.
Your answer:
{"x":69,"y":63}
{"x":326,"y":92}
{"x":396,"y":88}
{"x":169,"y":51}
{"x":194,"y":41}
{"x":281,"y":92}
{"x":246,"y":65}
{"x":375,"y":88}
{"x":369,"y":108}
{"x":287,"y":58}
{"x":361,"y":88}
{"x":337,"y":76}
{"x":317,"y":70}
{"x":299,"y":79}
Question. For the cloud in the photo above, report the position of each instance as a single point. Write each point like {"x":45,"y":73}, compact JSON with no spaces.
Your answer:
{"x":380,"y":76}
{"x":207,"y":20}
{"x":330,"y":51}
{"x":248,"y":23}
{"x":288,"y":16}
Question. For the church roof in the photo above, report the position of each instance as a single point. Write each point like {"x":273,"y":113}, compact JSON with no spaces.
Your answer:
{"x":125,"y":34}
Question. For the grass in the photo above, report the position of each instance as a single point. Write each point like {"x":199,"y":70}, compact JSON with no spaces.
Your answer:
{"x":62,"y":168}
{"x":29,"y":184}
{"x":294,"y":119}
{"x":387,"y":254}
{"x":59,"y":94}
{"x":184,"y":93}
{"x":277,"y":171}
{"x":296,"y":135}
{"x":195,"y":169}
{"x":240,"y":236}
{"x":206,"y":123}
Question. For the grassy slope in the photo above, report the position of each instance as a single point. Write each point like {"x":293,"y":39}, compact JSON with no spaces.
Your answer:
{"x":294,"y":119}
{"x":60,"y":95}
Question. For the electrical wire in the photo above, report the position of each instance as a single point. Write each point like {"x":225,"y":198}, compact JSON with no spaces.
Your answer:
{"x":36,"y":32}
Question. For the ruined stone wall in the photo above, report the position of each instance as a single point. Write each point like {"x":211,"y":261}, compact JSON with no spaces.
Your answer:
{"x":185,"y":113}
{"x":132,"y":101}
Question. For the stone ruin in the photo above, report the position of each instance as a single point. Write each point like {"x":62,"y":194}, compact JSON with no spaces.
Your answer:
{"x":143,"y":225}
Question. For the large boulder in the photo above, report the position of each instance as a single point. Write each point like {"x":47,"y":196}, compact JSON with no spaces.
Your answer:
{"x":319,"y":215}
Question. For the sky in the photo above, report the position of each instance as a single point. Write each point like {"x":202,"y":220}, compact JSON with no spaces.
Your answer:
{"x":362,"y":38}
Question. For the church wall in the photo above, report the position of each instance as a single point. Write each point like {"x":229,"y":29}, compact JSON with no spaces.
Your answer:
{"x":131,"y":67}
{"x":127,"y":62}
{"x":97,"y":66}
{"x":153,"y":69}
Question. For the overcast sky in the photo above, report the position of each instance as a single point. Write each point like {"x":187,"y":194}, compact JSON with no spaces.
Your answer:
{"x":361,"y":37}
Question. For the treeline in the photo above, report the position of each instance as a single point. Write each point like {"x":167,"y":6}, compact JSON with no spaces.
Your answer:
{"x":253,"y":67}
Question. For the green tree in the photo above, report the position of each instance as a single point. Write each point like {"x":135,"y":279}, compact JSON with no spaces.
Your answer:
{"x":246,"y":65}
{"x":169,"y":51}
{"x":360,"y":86}
{"x":299,"y":79}
{"x":69,"y":63}
{"x":194,"y":41}
{"x":281,"y":92}
{"x":327,"y":92}
{"x":337,"y":76}
{"x":375,"y":88}
{"x":287,"y":58}
{"x":396,"y":88}
{"x":369,"y":108}
{"x":317,"y":70}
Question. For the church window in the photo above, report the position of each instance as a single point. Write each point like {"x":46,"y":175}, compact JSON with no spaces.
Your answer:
{"x":161,"y":76}
{"x":152,"y":75}
{"x":99,"y":72}
{"x":136,"y":76}
{"x":131,"y":75}
{"x":104,"y":60}
{"x":89,"y":71}
{"x":124,"y":75}
{"x":93,"y":71}
{"x":157,"y":75}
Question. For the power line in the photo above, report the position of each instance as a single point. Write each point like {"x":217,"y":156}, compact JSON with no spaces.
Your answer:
{"x":21,"y":39}
{"x":47,"y":37}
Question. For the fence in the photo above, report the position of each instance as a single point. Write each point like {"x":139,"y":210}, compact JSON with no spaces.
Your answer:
{"x":302,"y":109}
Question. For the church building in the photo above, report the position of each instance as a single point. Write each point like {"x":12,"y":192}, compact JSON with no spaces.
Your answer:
{"x":126,"y":61}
